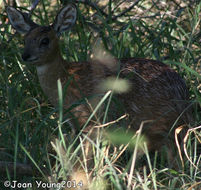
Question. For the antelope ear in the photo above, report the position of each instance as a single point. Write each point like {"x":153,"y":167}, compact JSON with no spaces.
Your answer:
{"x":19,"y":20}
{"x":65,"y":19}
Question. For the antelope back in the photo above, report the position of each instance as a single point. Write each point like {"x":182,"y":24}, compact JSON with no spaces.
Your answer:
{"x":41,"y":42}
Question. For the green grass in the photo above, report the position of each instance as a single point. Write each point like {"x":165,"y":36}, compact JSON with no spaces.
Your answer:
{"x":34,"y":133}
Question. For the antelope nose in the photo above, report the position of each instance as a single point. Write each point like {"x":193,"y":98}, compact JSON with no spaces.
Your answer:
{"x":25,"y":56}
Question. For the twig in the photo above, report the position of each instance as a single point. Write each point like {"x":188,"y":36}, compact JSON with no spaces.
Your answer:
{"x":33,"y":6}
{"x":177,"y":131}
{"x":185,"y":140}
{"x":119,"y":4}
{"x":194,"y":185}
{"x":125,"y":11}
{"x":112,"y":122}
{"x":123,"y":150}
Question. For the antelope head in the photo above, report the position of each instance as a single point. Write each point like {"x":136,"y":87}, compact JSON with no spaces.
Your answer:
{"x":41,"y":42}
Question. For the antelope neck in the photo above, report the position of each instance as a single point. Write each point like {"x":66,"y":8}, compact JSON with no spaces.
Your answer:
{"x":51,"y":68}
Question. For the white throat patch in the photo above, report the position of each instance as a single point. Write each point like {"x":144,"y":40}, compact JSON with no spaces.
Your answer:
{"x":42,"y":69}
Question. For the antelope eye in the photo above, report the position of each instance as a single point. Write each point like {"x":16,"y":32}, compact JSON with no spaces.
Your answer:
{"x":44,"y":42}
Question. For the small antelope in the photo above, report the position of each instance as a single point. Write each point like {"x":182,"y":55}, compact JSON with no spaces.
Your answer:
{"x":156,"y":92}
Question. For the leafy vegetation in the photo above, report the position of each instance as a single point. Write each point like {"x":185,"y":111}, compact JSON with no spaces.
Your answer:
{"x":38,"y":136}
